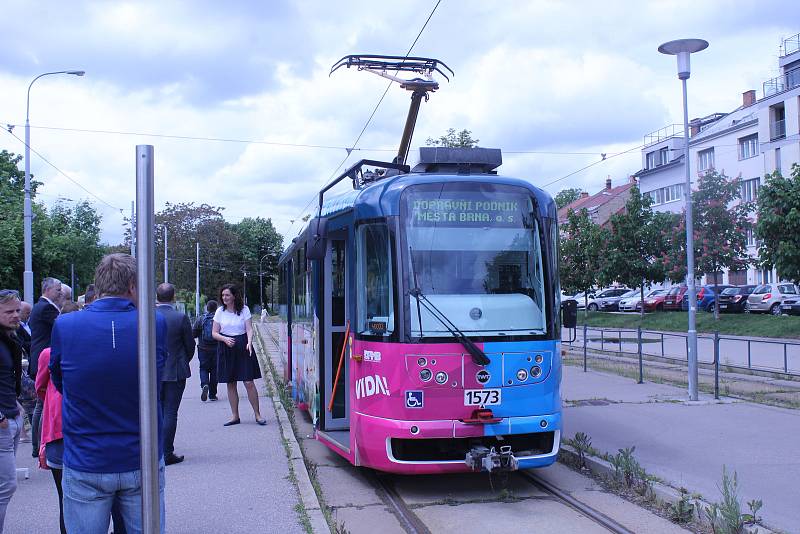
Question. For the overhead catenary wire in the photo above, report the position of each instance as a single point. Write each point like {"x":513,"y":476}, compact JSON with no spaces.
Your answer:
{"x":65,"y":175}
{"x":372,"y":115}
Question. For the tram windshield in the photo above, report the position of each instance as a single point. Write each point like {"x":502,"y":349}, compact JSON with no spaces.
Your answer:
{"x":474,"y":251}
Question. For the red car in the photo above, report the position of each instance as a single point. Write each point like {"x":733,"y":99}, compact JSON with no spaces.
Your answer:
{"x":655,"y":300}
{"x":674,"y":299}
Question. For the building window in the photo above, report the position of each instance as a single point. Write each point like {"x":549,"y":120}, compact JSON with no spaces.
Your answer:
{"x":663,"y":156}
{"x":663,"y":195}
{"x":651,"y":160}
{"x":748,"y":146}
{"x":705,"y":160}
{"x":749,"y":189}
{"x":738,"y":278}
{"x":777,"y":122}
{"x":752,"y":240}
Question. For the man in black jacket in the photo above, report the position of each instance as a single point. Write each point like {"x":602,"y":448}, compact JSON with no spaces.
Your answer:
{"x":180,"y":350}
{"x":10,"y":388}
{"x":41,"y":322}
{"x":24,"y":330}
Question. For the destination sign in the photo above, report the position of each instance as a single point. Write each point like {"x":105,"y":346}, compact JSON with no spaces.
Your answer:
{"x":468,"y":210}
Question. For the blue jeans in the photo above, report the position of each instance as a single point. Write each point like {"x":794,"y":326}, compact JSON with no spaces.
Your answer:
{"x":88,"y":498}
{"x":9,"y":439}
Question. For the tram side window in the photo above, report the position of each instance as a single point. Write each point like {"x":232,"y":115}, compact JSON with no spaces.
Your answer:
{"x":299,"y":285}
{"x":375,"y":294}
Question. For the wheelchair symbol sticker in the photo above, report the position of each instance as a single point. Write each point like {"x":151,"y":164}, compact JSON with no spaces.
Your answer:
{"x":414,"y":399}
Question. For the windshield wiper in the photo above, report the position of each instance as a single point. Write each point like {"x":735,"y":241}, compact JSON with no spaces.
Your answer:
{"x":478,"y":356}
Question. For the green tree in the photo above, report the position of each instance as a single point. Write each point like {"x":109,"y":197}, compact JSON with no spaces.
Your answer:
{"x":778,"y":225}
{"x":720,"y":231}
{"x":261,"y":246}
{"x":462,"y":139}
{"x":567,"y":196}
{"x":637,"y":241}
{"x":582,"y":250}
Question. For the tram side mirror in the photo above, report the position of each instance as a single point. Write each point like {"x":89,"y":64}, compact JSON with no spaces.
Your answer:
{"x":569,"y":314}
{"x":317,"y":238}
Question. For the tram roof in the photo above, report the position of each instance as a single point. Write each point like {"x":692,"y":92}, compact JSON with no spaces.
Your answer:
{"x":382,"y":198}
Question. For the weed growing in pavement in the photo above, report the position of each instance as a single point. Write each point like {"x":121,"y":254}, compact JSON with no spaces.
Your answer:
{"x":304,"y":519}
{"x":583,"y":445}
{"x":726,"y":516}
{"x":682,"y":510}
{"x":339,"y":528}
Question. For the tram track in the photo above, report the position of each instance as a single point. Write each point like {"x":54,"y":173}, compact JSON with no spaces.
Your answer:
{"x":413,"y":524}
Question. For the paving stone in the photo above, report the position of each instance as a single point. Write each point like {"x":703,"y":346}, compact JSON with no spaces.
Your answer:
{"x":319,"y":454}
{"x":464,"y":487}
{"x":346,"y":487}
{"x":627,"y":514}
{"x":367,"y":520}
{"x":532,"y":515}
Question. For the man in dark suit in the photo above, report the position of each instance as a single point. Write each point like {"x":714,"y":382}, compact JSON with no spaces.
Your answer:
{"x":180,"y":350}
{"x":43,"y":316}
{"x":24,"y":330}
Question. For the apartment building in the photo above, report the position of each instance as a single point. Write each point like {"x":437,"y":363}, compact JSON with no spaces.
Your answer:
{"x":755,"y":139}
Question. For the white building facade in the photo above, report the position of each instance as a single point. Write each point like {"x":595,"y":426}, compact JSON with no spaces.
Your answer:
{"x":759,"y":137}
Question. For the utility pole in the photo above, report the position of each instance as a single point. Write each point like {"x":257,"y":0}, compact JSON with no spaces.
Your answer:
{"x":197,"y":283}
{"x":133,"y":228}
{"x":166,"y":259}
{"x":72,"y":281}
{"x":245,"y":288}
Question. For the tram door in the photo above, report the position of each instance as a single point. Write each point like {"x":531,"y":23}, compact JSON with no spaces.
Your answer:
{"x":337,"y":413}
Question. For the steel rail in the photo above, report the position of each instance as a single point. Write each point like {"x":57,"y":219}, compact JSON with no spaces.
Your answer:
{"x":410,"y":522}
{"x":569,"y":500}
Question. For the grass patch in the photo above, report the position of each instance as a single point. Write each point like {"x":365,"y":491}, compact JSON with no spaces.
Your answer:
{"x":736,"y":324}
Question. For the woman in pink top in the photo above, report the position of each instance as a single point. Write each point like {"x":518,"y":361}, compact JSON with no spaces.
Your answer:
{"x":51,"y":443}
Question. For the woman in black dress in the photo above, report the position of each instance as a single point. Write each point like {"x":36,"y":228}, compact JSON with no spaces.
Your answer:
{"x":236,"y":359}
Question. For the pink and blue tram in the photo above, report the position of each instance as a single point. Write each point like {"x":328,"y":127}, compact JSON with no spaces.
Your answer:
{"x":420,"y":317}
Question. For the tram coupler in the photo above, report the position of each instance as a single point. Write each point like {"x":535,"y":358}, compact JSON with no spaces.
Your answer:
{"x":481,"y":458}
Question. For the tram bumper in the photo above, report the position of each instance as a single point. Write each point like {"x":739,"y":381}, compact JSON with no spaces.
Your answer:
{"x":440,"y":446}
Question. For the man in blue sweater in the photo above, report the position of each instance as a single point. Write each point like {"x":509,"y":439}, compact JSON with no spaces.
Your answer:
{"x":94,"y":364}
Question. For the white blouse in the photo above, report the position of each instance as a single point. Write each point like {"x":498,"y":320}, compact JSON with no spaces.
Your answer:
{"x":231,"y":324}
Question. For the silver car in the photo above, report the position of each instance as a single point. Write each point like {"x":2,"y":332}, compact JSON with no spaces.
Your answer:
{"x":767,"y":298}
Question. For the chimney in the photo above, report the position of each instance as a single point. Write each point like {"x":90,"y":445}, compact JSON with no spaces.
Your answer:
{"x":584,"y":194}
{"x":748,"y":98}
{"x":632,"y":179}
{"x":694,"y":127}
{"x":608,"y":183}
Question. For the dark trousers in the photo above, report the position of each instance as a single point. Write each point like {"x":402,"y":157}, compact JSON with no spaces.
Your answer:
{"x":208,"y":369}
{"x":36,"y":426}
{"x":171,"y":394}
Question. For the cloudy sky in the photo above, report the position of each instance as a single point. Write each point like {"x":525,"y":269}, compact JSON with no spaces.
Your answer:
{"x":554,"y":84}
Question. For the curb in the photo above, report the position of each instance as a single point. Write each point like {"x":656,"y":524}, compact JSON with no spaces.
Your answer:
{"x":663,"y":492}
{"x":308,"y":497}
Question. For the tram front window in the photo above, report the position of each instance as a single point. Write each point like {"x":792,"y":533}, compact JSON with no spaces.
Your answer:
{"x":474,"y":251}
{"x":375,"y":305}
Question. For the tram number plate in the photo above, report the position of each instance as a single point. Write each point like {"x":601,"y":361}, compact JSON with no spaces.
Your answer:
{"x":482,"y":397}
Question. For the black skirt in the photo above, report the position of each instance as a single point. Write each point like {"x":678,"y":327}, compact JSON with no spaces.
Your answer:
{"x":234,"y":364}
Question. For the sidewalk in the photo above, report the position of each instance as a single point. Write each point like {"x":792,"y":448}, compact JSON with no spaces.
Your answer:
{"x":686,"y":444}
{"x":234,"y":479}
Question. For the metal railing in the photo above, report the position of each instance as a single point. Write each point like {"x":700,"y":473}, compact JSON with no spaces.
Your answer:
{"x":671,"y":130}
{"x":788,"y":80}
{"x":782,"y":357}
{"x":777,"y":130}
{"x":791,"y":45}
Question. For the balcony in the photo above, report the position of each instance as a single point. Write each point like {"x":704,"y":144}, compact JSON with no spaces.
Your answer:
{"x":788,"y":80}
{"x":777,"y":130}
{"x":791,"y":45}
{"x":673,"y":130}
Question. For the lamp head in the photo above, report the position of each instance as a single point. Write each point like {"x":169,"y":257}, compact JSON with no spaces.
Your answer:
{"x":683,"y":48}
{"x":76,"y":72}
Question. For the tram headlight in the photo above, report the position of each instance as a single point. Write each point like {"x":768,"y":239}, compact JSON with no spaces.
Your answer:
{"x":425,"y":375}
{"x":522,"y":375}
{"x":536,"y":371}
{"x":441,"y":377}
{"x":539,"y":358}
{"x":422,"y":362}
{"x":543,"y":423}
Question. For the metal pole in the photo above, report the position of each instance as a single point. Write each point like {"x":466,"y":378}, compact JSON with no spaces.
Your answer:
{"x":716,"y":365}
{"x":197,"y":282}
{"x":584,"y":348}
{"x":641,"y":365}
{"x":261,"y":286}
{"x":72,"y":281}
{"x":166,"y":259}
{"x":27,"y":277}
{"x":148,"y":432}
{"x":133,"y":228}
{"x":691,"y":293}
{"x":245,"y":287}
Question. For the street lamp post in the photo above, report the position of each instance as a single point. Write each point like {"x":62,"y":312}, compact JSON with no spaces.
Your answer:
{"x":261,"y":280}
{"x":166,"y":259}
{"x":27,"y":277}
{"x":683,"y":48}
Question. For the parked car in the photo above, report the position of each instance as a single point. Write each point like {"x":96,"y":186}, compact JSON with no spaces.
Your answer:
{"x":791,"y":306}
{"x":653,"y":301}
{"x":767,"y":298}
{"x":733,"y":299}
{"x":582,"y":302}
{"x":674,"y":299}
{"x":608,"y":299}
{"x":706,"y":296}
